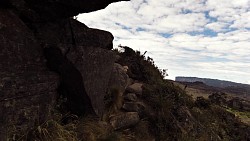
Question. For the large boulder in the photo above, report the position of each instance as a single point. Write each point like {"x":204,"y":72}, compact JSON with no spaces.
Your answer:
{"x":95,"y":66}
{"x":72,"y":35}
{"x":27,"y":87}
{"x":71,"y":84}
{"x":119,"y":78}
{"x":87,"y":49}
{"x":135,"y":88}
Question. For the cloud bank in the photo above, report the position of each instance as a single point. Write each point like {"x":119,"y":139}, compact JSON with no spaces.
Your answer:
{"x":205,"y":38}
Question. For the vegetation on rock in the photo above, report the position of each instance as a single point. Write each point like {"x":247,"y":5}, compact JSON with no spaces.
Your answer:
{"x":167,"y":113}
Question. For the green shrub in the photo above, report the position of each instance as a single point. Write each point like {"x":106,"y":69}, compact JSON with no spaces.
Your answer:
{"x":140,"y":67}
{"x":202,"y":102}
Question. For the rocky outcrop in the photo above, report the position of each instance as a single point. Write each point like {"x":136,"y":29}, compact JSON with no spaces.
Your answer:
{"x":119,"y":78}
{"x":89,"y":51}
{"x":28,"y":87}
{"x":131,"y":108}
{"x":71,"y":86}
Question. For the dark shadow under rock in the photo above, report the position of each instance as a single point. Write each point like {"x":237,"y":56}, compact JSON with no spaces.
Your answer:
{"x":71,"y":82}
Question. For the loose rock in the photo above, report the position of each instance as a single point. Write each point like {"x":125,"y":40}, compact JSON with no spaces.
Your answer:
{"x":130,"y":97}
{"x":124,"y":120}
{"x":135,"y":88}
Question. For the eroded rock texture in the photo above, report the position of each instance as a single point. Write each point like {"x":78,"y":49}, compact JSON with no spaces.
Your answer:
{"x":88,"y":50}
{"x":28,"y":88}
{"x":119,"y":78}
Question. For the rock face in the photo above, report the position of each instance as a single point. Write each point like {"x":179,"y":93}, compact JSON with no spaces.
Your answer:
{"x":28,"y":89}
{"x":119,"y":78}
{"x":88,"y":50}
{"x":45,"y":10}
{"x":71,"y":86}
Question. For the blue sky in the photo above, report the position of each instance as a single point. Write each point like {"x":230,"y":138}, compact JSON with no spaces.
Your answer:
{"x":201,"y":38}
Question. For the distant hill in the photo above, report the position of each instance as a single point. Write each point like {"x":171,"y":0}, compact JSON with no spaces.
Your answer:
{"x":211,"y":82}
{"x":238,"y":89}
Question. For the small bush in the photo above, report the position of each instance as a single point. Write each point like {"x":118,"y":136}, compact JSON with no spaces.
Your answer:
{"x":202,"y":102}
{"x":140,"y":67}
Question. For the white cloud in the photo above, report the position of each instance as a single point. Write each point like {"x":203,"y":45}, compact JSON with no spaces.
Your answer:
{"x":217,"y":26}
{"x":234,"y":11}
{"x":175,"y":34}
{"x":180,"y":23}
{"x":242,"y":21}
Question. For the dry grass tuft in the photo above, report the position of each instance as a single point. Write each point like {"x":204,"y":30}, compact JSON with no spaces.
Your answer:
{"x":90,"y":129}
{"x":52,"y":131}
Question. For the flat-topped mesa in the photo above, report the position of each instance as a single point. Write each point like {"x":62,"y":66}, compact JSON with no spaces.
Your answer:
{"x":44,"y":10}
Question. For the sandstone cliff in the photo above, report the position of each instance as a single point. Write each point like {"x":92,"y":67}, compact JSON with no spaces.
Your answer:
{"x":28,"y":88}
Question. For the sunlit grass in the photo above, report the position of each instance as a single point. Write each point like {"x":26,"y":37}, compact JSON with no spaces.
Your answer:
{"x":244,"y":116}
